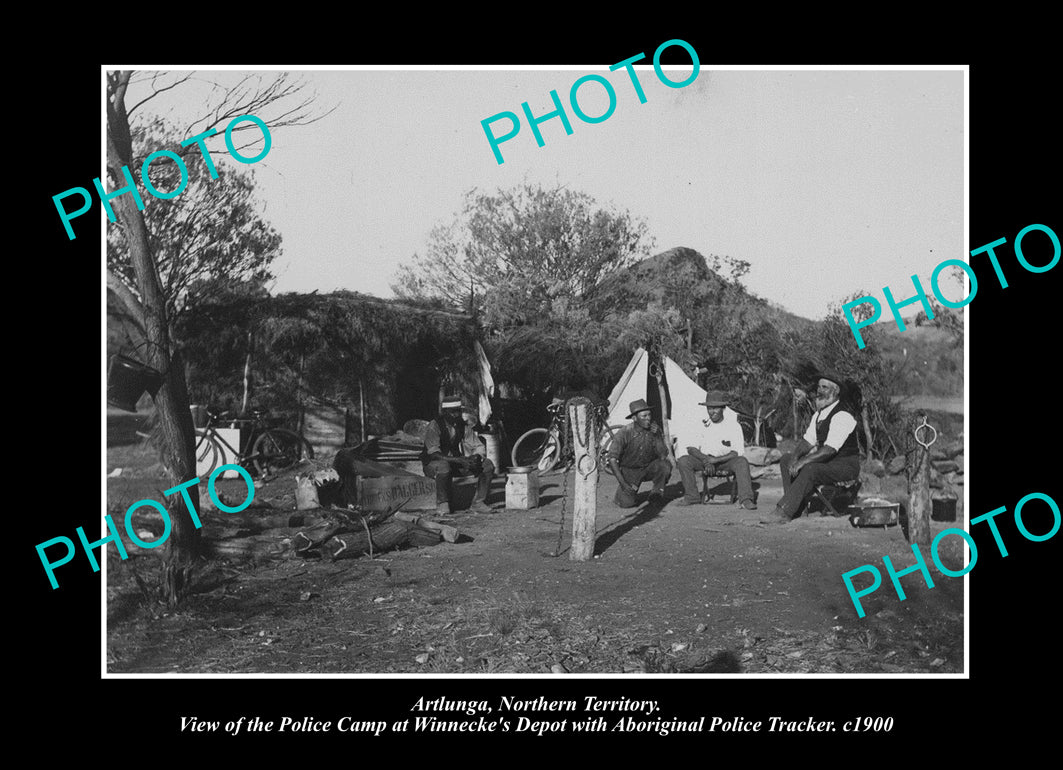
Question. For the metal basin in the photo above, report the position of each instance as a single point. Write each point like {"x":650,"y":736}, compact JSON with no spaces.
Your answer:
{"x":874,"y":513}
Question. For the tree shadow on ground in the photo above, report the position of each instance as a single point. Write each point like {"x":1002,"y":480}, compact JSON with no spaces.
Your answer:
{"x":605,"y":538}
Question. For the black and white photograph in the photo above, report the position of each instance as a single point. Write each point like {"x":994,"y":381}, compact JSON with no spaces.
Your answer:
{"x":504,"y":408}
{"x":544,"y":398}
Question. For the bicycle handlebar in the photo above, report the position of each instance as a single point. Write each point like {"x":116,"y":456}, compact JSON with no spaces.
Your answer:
{"x":256,"y":416}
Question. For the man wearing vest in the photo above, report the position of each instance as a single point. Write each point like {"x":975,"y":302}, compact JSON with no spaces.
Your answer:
{"x":827,"y":453}
{"x":453,"y":448}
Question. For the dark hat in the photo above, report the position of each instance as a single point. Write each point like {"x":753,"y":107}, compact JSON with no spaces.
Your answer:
{"x":637,"y":406}
{"x":831,"y":376}
{"x":715,"y":398}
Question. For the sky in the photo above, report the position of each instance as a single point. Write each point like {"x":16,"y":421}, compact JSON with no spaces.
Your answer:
{"x":828,"y":182}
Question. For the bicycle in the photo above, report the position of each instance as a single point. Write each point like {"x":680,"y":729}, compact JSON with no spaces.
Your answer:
{"x":267,"y":449}
{"x":546,"y":448}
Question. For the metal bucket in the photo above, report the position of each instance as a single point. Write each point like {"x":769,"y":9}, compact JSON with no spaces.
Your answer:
{"x":874,"y":513}
{"x":127,"y":379}
{"x":494,"y":450}
{"x":944,"y":509}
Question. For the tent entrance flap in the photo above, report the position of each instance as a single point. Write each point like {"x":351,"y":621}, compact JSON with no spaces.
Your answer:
{"x":683,"y":397}
{"x":630,"y":387}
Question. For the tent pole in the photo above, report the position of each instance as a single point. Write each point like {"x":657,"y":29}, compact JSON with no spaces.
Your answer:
{"x":664,"y":415}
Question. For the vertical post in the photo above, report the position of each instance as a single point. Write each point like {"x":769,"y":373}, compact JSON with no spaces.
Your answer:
{"x":865,"y":418}
{"x":584,"y":509}
{"x":793,"y":401}
{"x":361,"y":406}
{"x":664,"y":417}
{"x":246,"y":403}
{"x":919,"y":498}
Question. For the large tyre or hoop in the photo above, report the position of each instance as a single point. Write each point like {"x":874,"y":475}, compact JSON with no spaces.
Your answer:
{"x":207,"y":454}
{"x":537,"y":448}
{"x":278,"y":450}
{"x":609,"y":432}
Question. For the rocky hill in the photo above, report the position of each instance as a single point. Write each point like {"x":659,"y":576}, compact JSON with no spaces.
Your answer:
{"x":927,"y":360}
{"x":681,"y":277}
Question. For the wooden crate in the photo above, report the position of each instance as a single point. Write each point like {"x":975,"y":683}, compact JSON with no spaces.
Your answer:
{"x":380,"y":493}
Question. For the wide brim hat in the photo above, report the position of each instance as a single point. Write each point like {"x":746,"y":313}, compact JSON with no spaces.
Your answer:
{"x":454,"y":402}
{"x":716,"y":398}
{"x":637,"y":406}
{"x":834,"y":377}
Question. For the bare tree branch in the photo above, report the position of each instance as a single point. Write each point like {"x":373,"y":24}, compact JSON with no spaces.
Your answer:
{"x":156,"y":91}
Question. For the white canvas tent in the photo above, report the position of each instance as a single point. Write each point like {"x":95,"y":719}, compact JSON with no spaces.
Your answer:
{"x":682,"y":410}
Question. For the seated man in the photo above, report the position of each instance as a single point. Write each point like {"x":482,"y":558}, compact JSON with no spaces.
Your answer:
{"x":717,"y":444}
{"x":827,"y":453}
{"x":638,"y":453}
{"x":453,"y":448}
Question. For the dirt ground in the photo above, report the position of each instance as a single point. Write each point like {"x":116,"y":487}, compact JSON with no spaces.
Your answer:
{"x":684,"y":590}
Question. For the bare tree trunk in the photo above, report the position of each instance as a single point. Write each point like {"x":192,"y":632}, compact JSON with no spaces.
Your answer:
{"x":174,"y":418}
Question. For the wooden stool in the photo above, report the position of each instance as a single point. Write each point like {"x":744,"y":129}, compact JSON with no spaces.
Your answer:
{"x":849,"y":488}
{"x":707,"y":496}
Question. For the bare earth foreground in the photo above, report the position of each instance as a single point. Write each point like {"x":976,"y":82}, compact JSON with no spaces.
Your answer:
{"x":703,"y":589}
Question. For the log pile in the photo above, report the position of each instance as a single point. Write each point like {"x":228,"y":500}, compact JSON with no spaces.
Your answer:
{"x":260,"y":534}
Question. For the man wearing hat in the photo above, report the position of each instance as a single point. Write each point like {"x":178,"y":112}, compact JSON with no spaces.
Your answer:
{"x":827,"y":453}
{"x":638,"y":453}
{"x":717,"y":444}
{"x":453,"y":448}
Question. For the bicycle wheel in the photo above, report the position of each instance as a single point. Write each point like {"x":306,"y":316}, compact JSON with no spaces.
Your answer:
{"x":278,"y":450}
{"x":610,"y":432}
{"x":207,"y":454}
{"x":538,"y":448}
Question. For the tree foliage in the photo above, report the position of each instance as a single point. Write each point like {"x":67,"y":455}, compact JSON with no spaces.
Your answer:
{"x":515,"y":252}
{"x":336,"y":347}
{"x":564,"y":297}
{"x":144,"y":298}
{"x":208,"y":239}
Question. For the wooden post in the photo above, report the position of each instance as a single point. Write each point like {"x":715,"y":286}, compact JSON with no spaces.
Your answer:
{"x":867,"y":429}
{"x":584,"y":509}
{"x":793,"y":399}
{"x":245,"y":405}
{"x":664,"y":418}
{"x":919,"y":498}
{"x":361,"y":406}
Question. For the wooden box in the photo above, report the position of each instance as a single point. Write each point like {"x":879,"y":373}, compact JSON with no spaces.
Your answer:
{"x":522,"y":491}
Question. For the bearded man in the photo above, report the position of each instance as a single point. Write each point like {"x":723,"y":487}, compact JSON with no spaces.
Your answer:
{"x":827,"y":453}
